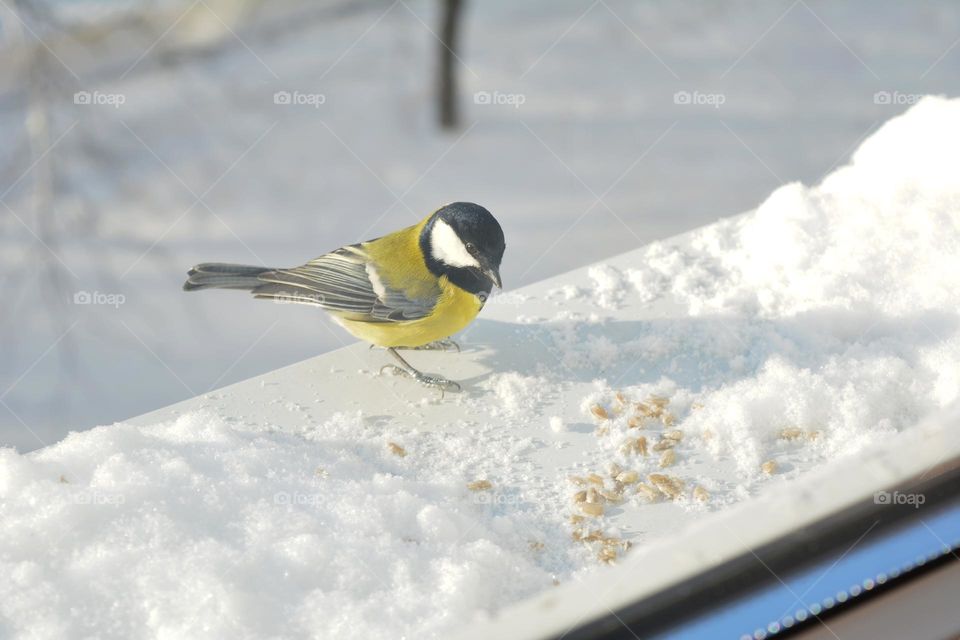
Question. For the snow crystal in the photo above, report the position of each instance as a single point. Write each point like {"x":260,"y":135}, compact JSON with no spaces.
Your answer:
{"x":556,"y":424}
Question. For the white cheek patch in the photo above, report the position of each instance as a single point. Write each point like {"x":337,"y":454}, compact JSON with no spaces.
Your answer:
{"x":447,"y":247}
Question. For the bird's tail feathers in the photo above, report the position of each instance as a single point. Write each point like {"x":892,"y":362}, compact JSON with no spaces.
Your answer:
{"x":220,"y":275}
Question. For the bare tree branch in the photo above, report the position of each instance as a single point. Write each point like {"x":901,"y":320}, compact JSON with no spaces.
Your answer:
{"x":449,"y":42}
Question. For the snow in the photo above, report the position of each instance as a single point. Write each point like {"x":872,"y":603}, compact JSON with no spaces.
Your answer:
{"x":195,"y":528}
{"x":841,"y":297}
{"x":710,"y":541}
{"x":512,"y":393}
{"x":324,"y":500}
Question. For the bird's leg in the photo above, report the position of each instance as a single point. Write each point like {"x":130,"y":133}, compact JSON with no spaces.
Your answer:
{"x":429,"y":381}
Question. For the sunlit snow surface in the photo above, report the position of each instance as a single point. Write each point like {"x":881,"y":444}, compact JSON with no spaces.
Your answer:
{"x":280,"y":508}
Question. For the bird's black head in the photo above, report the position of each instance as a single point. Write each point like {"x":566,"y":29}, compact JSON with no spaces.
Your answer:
{"x":464,"y":242}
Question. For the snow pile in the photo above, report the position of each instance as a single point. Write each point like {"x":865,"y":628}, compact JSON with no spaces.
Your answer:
{"x":197,"y":529}
{"x":830,"y":309}
{"x":880,"y":234}
{"x":608,"y":286}
{"x":512,"y":393}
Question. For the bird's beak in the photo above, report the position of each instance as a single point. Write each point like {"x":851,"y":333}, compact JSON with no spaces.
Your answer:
{"x":494,"y":275}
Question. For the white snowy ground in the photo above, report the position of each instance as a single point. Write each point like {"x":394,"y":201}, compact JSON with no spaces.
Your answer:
{"x":324,"y":501}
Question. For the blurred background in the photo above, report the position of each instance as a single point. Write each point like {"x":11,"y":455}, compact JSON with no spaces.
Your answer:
{"x":143,"y":136}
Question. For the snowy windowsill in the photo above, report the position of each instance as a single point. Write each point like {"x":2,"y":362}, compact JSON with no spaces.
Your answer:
{"x":325,"y":500}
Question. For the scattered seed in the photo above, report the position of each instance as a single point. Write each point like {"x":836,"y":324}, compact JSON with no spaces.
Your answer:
{"x":607,"y":555}
{"x":628,"y":477}
{"x":646,"y":410}
{"x":634,"y":446}
{"x":621,"y":399}
{"x":599,"y":412}
{"x":580,"y":496}
{"x":647,"y":492}
{"x":769,"y":467}
{"x":615,"y":469}
{"x":667,"y":458}
{"x":595,"y":479}
{"x":696,"y":406}
{"x":610,"y":496}
{"x":396,"y":449}
{"x":668,"y":419}
{"x":674,"y":434}
{"x":592,"y":509}
{"x":536,"y":545}
{"x":641,"y":446}
{"x":813,"y":435}
{"x":658,"y":401}
{"x":479,"y":485}
{"x":701,"y":494}
{"x":668,"y":486}
{"x":63,"y":480}
{"x":612,"y":542}
{"x":575,"y":519}
{"x":635,"y":422}
{"x":664,"y":443}
{"x":791,"y":433}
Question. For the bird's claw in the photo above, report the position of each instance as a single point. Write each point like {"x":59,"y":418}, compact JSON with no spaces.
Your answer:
{"x":440,"y":345}
{"x":437,"y":382}
{"x":436,"y":345}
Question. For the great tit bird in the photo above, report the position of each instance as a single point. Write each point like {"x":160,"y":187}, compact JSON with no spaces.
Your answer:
{"x":410,"y":289}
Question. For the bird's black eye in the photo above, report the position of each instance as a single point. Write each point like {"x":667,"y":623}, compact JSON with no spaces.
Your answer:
{"x":470,"y":247}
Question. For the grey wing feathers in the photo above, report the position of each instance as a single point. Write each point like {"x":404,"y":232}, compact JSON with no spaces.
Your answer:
{"x":342,"y":281}
{"x":218,"y":275}
{"x":395,"y":306}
